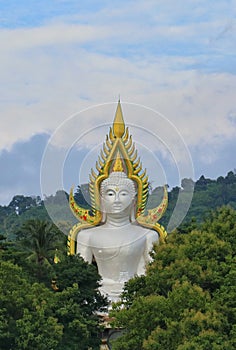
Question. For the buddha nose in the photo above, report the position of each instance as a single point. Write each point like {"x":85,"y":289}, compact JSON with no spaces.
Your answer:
{"x":117,"y":198}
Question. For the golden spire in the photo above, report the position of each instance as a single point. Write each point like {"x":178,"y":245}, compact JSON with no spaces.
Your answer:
{"x":118,"y":165}
{"x":118,"y":124}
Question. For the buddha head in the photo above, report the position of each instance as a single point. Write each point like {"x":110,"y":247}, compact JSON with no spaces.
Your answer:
{"x":118,"y":194}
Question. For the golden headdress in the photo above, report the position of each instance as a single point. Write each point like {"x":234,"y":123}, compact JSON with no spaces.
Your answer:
{"x":117,"y":155}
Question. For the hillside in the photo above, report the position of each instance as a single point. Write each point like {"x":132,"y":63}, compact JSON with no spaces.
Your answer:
{"x":208,"y":194}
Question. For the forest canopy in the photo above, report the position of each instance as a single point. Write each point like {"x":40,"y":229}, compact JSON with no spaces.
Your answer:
{"x":208,"y":194}
{"x":186,"y":300}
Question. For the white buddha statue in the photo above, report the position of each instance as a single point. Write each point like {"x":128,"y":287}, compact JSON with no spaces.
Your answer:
{"x":118,"y":234}
{"x":119,"y":246}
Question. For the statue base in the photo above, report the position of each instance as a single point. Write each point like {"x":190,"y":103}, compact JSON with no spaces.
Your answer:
{"x":109,"y":333}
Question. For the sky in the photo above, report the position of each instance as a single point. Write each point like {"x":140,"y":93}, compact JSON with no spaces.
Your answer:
{"x":64,"y":64}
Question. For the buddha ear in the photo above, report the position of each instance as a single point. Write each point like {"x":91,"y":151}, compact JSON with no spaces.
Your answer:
{"x":133,"y":210}
{"x":104,"y":215}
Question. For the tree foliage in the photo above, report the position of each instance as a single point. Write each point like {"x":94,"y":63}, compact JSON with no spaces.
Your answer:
{"x":186,"y":300}
{"x":36,"y":244}
{"x":26,"y":320}
{"x":208,"y":194}
{"x":33,"y":316}
{"x":59,"y":313}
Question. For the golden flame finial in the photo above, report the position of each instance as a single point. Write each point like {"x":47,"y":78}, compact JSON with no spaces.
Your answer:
{"x":118,"y":124}
{"x":118,"y":165}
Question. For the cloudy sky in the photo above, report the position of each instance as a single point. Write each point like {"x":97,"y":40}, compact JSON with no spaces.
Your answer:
{"x":172,"y":63}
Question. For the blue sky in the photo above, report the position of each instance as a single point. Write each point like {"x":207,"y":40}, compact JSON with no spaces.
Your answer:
{"x":60,"y":57}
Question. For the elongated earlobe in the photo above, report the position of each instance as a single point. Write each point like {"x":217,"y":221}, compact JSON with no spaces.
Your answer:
{"x":133,"y":211}
{"x":104,"y":215}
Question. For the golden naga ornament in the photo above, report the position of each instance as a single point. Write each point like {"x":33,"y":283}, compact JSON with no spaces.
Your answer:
{"x":117,"y":155}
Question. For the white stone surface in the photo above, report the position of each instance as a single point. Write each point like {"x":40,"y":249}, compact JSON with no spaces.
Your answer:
{"x":120,"y":247}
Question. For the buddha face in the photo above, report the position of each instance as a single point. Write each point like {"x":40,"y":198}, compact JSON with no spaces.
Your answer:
{"x":116,"y":199}
{"x":117,"y":194}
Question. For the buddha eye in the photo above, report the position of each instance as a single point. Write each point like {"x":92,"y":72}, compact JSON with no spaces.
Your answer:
{"x":110,"y":193}
{"x":123,"y":193}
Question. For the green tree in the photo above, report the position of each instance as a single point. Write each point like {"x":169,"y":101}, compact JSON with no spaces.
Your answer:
{"x":20,"y":203}
{"x":186,"y":299}
{"x":26,"y":312}
{"x":78,"y":301}
{"x":38,"y":241}
{"x":33,"y":316}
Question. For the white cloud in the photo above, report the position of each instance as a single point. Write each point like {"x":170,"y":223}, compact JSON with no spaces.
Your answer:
{"x":51,"y":35}
{"x":175,"y":59}
{"x":53,"y":71}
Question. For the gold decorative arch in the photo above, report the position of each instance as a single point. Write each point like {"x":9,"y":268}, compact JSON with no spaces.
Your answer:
{"x":118,"y":154}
